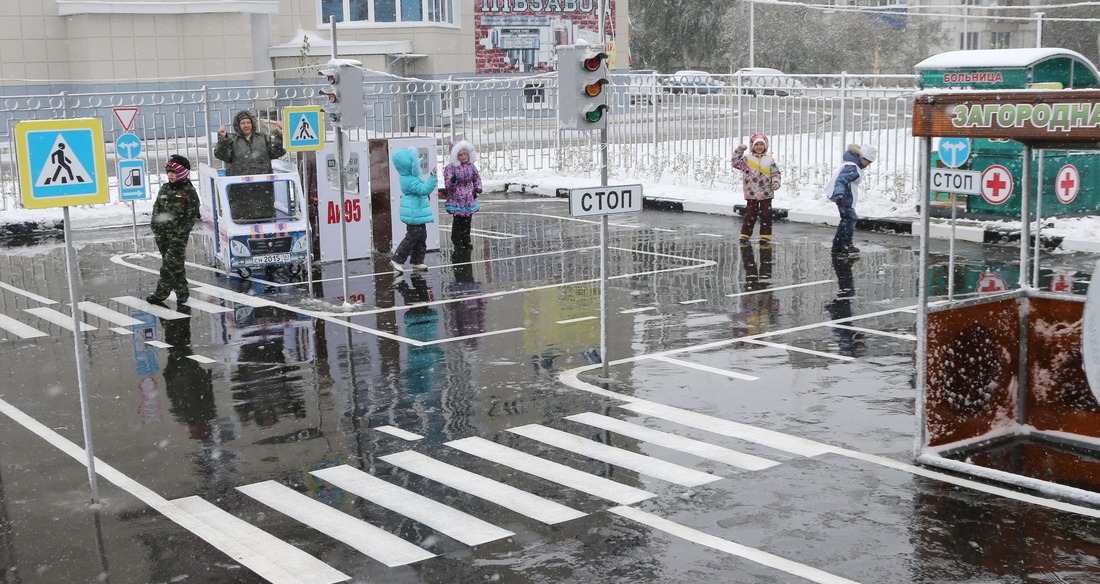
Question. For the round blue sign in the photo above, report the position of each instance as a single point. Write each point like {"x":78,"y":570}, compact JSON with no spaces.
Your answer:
{"x":954,"y":151}
{"x":128,"y":146}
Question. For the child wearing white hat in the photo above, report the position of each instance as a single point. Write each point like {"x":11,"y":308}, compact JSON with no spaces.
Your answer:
{"x":843,"y":189}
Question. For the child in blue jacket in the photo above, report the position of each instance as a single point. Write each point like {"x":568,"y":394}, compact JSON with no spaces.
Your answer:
{"x":416,"y":210}
{"x":843,"y":190}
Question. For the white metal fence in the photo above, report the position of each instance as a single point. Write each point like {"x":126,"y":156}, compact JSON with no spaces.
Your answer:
{"x":663,"y":129}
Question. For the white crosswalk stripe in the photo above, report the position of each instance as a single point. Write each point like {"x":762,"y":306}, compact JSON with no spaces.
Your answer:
{"x":551,"y":471}
{"x":17,"y":328}
{"x":449,"y":521}
{"x":155,"y":310}
{"x":58,"y":318}
{"x":507,"y":496}
{"x":368,"y":539}
{"x":674,"y":441}
{"x":640,"y":463}
{"x":104,"y":313}
{"x":305,"y":567}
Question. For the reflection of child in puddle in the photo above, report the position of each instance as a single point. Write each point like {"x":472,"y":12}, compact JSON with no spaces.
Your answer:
{"x":422,"y":324}
{"x":841,"y":306}
{"x":758,"y":308}
{"x":467,"y":317}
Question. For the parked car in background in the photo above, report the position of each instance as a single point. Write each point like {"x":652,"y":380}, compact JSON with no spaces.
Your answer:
{"x":689,"y":81}
{"x":766,"y":81}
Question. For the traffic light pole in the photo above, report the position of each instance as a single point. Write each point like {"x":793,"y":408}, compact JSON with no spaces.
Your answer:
{"x":606,"y":370}
{"x":339,"y":125}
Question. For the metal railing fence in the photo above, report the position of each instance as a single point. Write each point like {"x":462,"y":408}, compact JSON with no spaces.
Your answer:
{"x":661,"y":130}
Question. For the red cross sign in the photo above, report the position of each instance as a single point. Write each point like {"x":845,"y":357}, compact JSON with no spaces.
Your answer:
{"x":990,"y":283}
{"x":996,"y":184}
{"x":1067,"y":184}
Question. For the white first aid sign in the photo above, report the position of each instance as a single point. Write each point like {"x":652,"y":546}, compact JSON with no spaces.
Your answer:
{"x":594,"y":201}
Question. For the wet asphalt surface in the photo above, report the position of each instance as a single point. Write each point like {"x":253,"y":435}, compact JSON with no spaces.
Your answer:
{"x":708,"y":340}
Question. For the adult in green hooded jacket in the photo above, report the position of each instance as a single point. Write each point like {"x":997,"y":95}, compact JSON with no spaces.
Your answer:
{"x":247,"y":151}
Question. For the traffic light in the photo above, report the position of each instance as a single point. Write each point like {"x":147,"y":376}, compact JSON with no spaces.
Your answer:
{"x":343,"y":92}
{"x":582,"y":92}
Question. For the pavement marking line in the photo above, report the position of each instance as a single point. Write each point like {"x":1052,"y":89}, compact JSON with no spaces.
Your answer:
{"x":58,"y":318}
{"x":227,"y":545}
{"x":232,"y":296}
{"x":573,"y":320}
{"x":769,"y":438}
{"x":799,"y":349}
{"x":111,"y":316}
{"x":158,"y":344}
{"x":28,"y":294}
{"x":662,"y":229}
{"x":201,"y":359}
{"x":642,"y":309}
{"x":445,"y":519}
{"x":875,"y":332}
{"x":752,"y":554}
{"x":402,"y":434}
{"x":640,"y":463}
{"x":207,"y":307}
{"x":122,"y":331}
{"x":371,"y":541}
{"x":710,"y":235}
{"x":701,"y":367}
{"x":507,"y":496}
{"x":278,"y":552}
{"x":155,"y":310}
{"x":551,"y":471}
{"x":674,"y":441}
{"x":696,"y":301}
{"x":778,"y":288}
{"x":17,"y":328}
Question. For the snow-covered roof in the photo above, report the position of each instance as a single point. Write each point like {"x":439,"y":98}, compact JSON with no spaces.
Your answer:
{"x":997,"y":58}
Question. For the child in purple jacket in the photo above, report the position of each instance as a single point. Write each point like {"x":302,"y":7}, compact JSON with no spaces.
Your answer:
{"x":463,"y":186}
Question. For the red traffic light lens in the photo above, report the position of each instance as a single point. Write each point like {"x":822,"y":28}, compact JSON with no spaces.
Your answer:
{"x":594,"y":62}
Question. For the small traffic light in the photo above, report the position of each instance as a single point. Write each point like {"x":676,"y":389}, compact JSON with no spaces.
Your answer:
{"x":344,"y":91}
{"x":582,"y":79}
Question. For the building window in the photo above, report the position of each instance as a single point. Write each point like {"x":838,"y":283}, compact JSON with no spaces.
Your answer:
{"x":386,"y":11}
{"x":1000,"y":40}
{"x":968,"y":40}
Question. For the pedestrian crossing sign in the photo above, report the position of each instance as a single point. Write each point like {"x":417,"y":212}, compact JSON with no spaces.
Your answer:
{"x":304,"y":128}
{"x":61,"y":162}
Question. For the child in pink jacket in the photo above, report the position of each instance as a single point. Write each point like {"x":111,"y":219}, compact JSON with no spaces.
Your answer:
{"x":762,"y":178}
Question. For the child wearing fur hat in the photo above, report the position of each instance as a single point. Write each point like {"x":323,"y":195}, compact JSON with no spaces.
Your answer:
{"x":761,"y":178}
{"x":843,"y":189}
{"x":463,"y":186}
{"x":174,"y":214}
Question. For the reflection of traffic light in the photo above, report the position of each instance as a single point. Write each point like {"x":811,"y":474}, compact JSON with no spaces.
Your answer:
{"x":582,"y":81}
{"x":343,"y":92}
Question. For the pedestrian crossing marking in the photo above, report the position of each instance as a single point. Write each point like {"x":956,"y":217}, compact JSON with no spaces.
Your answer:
{"x":236,"y":297}
{"x":61,"y":319}
{"x":154,"y":309}
{"x":507,"y":496}
{"x":122,"y":331}
{"x":371,"y":541}
{"x":445,"y":519}
{"x":107,"y":314}
{"x":551,"y":471}
{"x":158,"y":344}
{"x":403,"y":434}
{"x":640,"y":463}
{"x":23,"y":331}
{"x":769,"y":438}
{"x":201,"y":359}
{"x":208,"y":307}
{"x":31,"y":295}
{"x":304,"y":566}
{"x":674,"y":441}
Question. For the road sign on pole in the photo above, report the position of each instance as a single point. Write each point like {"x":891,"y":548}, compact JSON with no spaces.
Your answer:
{"x":595,"y":201}
{"x":61,"y":162}
{"x":132,"y":184}
{"x":961,"y":182}
{"x":305,"y":128}
{"x":125,"y":117}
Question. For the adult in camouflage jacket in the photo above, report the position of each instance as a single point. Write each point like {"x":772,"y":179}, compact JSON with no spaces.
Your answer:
{"x":174,"y":214}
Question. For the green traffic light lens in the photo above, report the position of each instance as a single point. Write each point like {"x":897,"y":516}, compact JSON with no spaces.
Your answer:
{"x":594,"y":115}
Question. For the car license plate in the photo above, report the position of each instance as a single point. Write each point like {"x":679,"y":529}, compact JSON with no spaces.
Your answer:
{"x":273,"y":258}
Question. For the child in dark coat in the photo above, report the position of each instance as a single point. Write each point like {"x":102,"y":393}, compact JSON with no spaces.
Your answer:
{"x":463,"y":186}
{"x":174,"y":214}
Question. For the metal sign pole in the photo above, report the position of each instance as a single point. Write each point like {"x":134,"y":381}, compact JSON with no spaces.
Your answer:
{"x":603,"y":223}
{"x":133,"y":213}
{"x":339,"y":124}
{"x":70,"y":269}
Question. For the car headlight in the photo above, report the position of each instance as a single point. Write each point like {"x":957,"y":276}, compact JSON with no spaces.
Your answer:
{"x":299,"y":245}
{"x":239,"y":248}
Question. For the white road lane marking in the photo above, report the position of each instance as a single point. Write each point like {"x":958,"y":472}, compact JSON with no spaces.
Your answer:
{"x":402,"y":434}
{"x":507,"y":496}
{"x":208,"y":307}
{"x":158,"y":344}
{"x":701,"y":367}
{"x":639,"y":463}
{"x":551,"y":471}
{"x":642,"y":309}
{"x":795,"y":349}
{"x":371,"y":541}
{"x":278,"y":552}
{"x":104,"y":313}
{"x":674,"y":441}
{"x":58,"y":318}
{"x":736,"y":549}
{"x":446,"y":520}
{"x":778,"y":288}
{"x":17,"y":328}
{"x":201,"y":359}
{"x":28,"y":294}
{"x":573,"y":320}
{"x":902,"y":336}
{"x":155,"y":310}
